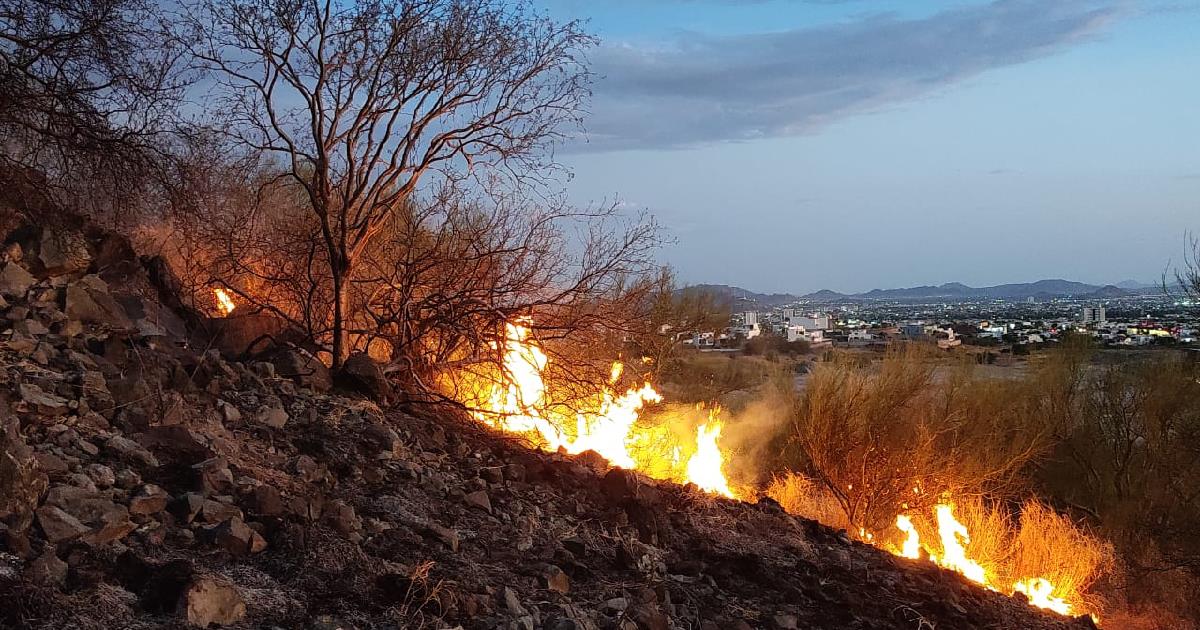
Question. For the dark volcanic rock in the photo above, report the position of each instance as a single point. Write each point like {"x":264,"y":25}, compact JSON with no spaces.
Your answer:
{"x":361,"y":374}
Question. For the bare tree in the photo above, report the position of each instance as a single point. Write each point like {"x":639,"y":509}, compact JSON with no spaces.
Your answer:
{"x":360,"y":101}
{"x":87,"y":88}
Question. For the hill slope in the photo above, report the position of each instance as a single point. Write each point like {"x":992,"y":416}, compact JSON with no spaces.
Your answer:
{"x":149,"y":484}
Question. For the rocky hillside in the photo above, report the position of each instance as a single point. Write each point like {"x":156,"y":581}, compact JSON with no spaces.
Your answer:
{"x":149,"y":481}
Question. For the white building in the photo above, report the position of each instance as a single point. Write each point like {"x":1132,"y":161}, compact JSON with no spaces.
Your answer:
{"x":815,"y":321}
{"x":813,"y":337}
{"x":1093,"y":315}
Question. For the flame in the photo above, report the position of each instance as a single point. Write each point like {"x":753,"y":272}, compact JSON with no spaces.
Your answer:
{"x":517,"y":403}
{"x":704,"y":468}
{"x":225,"y":304}
{"x":1040,"y":593}
{"x":954,"y":554}
{"x":912,"y":541}
{"x":955,"y":540}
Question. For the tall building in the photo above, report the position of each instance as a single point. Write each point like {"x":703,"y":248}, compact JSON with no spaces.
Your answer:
{"x":1093,"y":315}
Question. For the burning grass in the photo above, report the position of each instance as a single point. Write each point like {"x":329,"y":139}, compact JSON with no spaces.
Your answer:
{"x":516,"y":398}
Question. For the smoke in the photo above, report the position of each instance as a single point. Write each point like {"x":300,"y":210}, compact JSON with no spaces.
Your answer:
{"x":755,"y":426}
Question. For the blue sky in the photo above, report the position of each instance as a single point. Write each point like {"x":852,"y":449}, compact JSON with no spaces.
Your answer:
{"x":793,"y":145}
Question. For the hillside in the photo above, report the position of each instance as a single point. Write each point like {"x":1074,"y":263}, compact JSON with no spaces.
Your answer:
{"x":149,"y":481}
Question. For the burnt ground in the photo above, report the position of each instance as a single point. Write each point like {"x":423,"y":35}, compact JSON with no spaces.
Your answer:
{"x":148,"y":482}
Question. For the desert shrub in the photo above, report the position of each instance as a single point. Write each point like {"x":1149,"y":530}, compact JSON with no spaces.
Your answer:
{"x":1049,"y":545}
{"x":895,"y":436}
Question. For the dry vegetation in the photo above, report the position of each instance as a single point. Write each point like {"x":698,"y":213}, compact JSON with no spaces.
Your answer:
{"x":377,"y":175}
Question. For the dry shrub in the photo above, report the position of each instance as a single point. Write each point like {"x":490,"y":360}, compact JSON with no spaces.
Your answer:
{"x":802,"y":496}
{"x":1049,"y":545}
{"x":892,"y":437}
{"x":991,"y":534}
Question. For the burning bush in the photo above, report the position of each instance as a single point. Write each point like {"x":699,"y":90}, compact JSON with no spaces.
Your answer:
{"x":881,"y":440}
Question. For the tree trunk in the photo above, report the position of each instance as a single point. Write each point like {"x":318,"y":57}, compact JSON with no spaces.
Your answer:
{"x":341,"y":345}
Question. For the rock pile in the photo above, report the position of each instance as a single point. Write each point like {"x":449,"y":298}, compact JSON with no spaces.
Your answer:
{"x":146,"y":483}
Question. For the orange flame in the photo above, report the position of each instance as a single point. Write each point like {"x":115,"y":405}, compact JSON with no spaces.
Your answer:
{"x":516,"y":403}
{"x":955,"y":540}
{"x":225,"y":304}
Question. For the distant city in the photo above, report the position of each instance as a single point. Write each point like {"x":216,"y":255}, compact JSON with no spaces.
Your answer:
{"x":1012,"y":318}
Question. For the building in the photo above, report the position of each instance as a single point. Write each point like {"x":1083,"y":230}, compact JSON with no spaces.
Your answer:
{"x":816,"y":322}
{"x":912,"y":330}
{"x":1093,"y":315}
{"x":860,"y":334}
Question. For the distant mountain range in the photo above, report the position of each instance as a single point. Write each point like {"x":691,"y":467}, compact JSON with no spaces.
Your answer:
{"x":1040,"y":290}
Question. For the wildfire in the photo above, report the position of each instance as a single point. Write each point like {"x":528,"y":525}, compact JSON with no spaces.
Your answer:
{"x":517,"y":403}
{"x":225,"y":304}
{"x":704,"y":468}
{"x":955,"y":541}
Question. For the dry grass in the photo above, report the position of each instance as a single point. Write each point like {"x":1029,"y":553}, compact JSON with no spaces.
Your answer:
{"x":1049,"y":545}
{"x":802,"y":496}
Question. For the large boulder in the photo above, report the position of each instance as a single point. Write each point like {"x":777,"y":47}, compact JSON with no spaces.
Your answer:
{"x":241,"y":335}
{"x":15,"y":280}
{"x":360,"y":373}
{"x":89,"y":301}
{"x":64,"y":251}
{"x":210,"y":601}
{"x":21,"y":480}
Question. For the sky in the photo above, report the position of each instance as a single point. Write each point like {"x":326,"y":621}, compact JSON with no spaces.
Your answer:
{"x":796,"y":145}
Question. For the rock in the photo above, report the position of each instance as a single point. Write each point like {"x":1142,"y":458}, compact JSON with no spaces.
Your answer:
{"x":21,"y":480}
{"x":213,"y":511}
{"x":89,"y":301}
{"x":210,"y":600}
{"x":130,"y":451}
{"x":52,"y":465}
{"x":178,"y":444}
{"x":648,"y":617}
{"x":236,"y":537}
{"x":58,"y":526}
{"x":479,"y":499}
{"x":361,"y":374}
{"x":342,"y":517}
{"x":303,"y":368}
{"x":64,"y":251}
{"x":186,"y":507}
{"x":101,"y":475}
{"x":106,"y":521}
{"x":381,"y":437}
{"x":243,"y":334}
{"x":615,"y":605}
{"x":115,"y":525}
{"x":512,"y":602}
{"x":15,"y":280}
{"x":448,"y":536}
{"x":43,"y":403}
{"x":785,"y":622}
{"x":274,"y":417}
{"x":576,"y":546}
{"x":267,"y":501}
{"x":31,"y":327}
{"x":47,"y":569}
{"x":229,"y":413}
{"x":556,"y":579}
{"x":149,"y":499}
